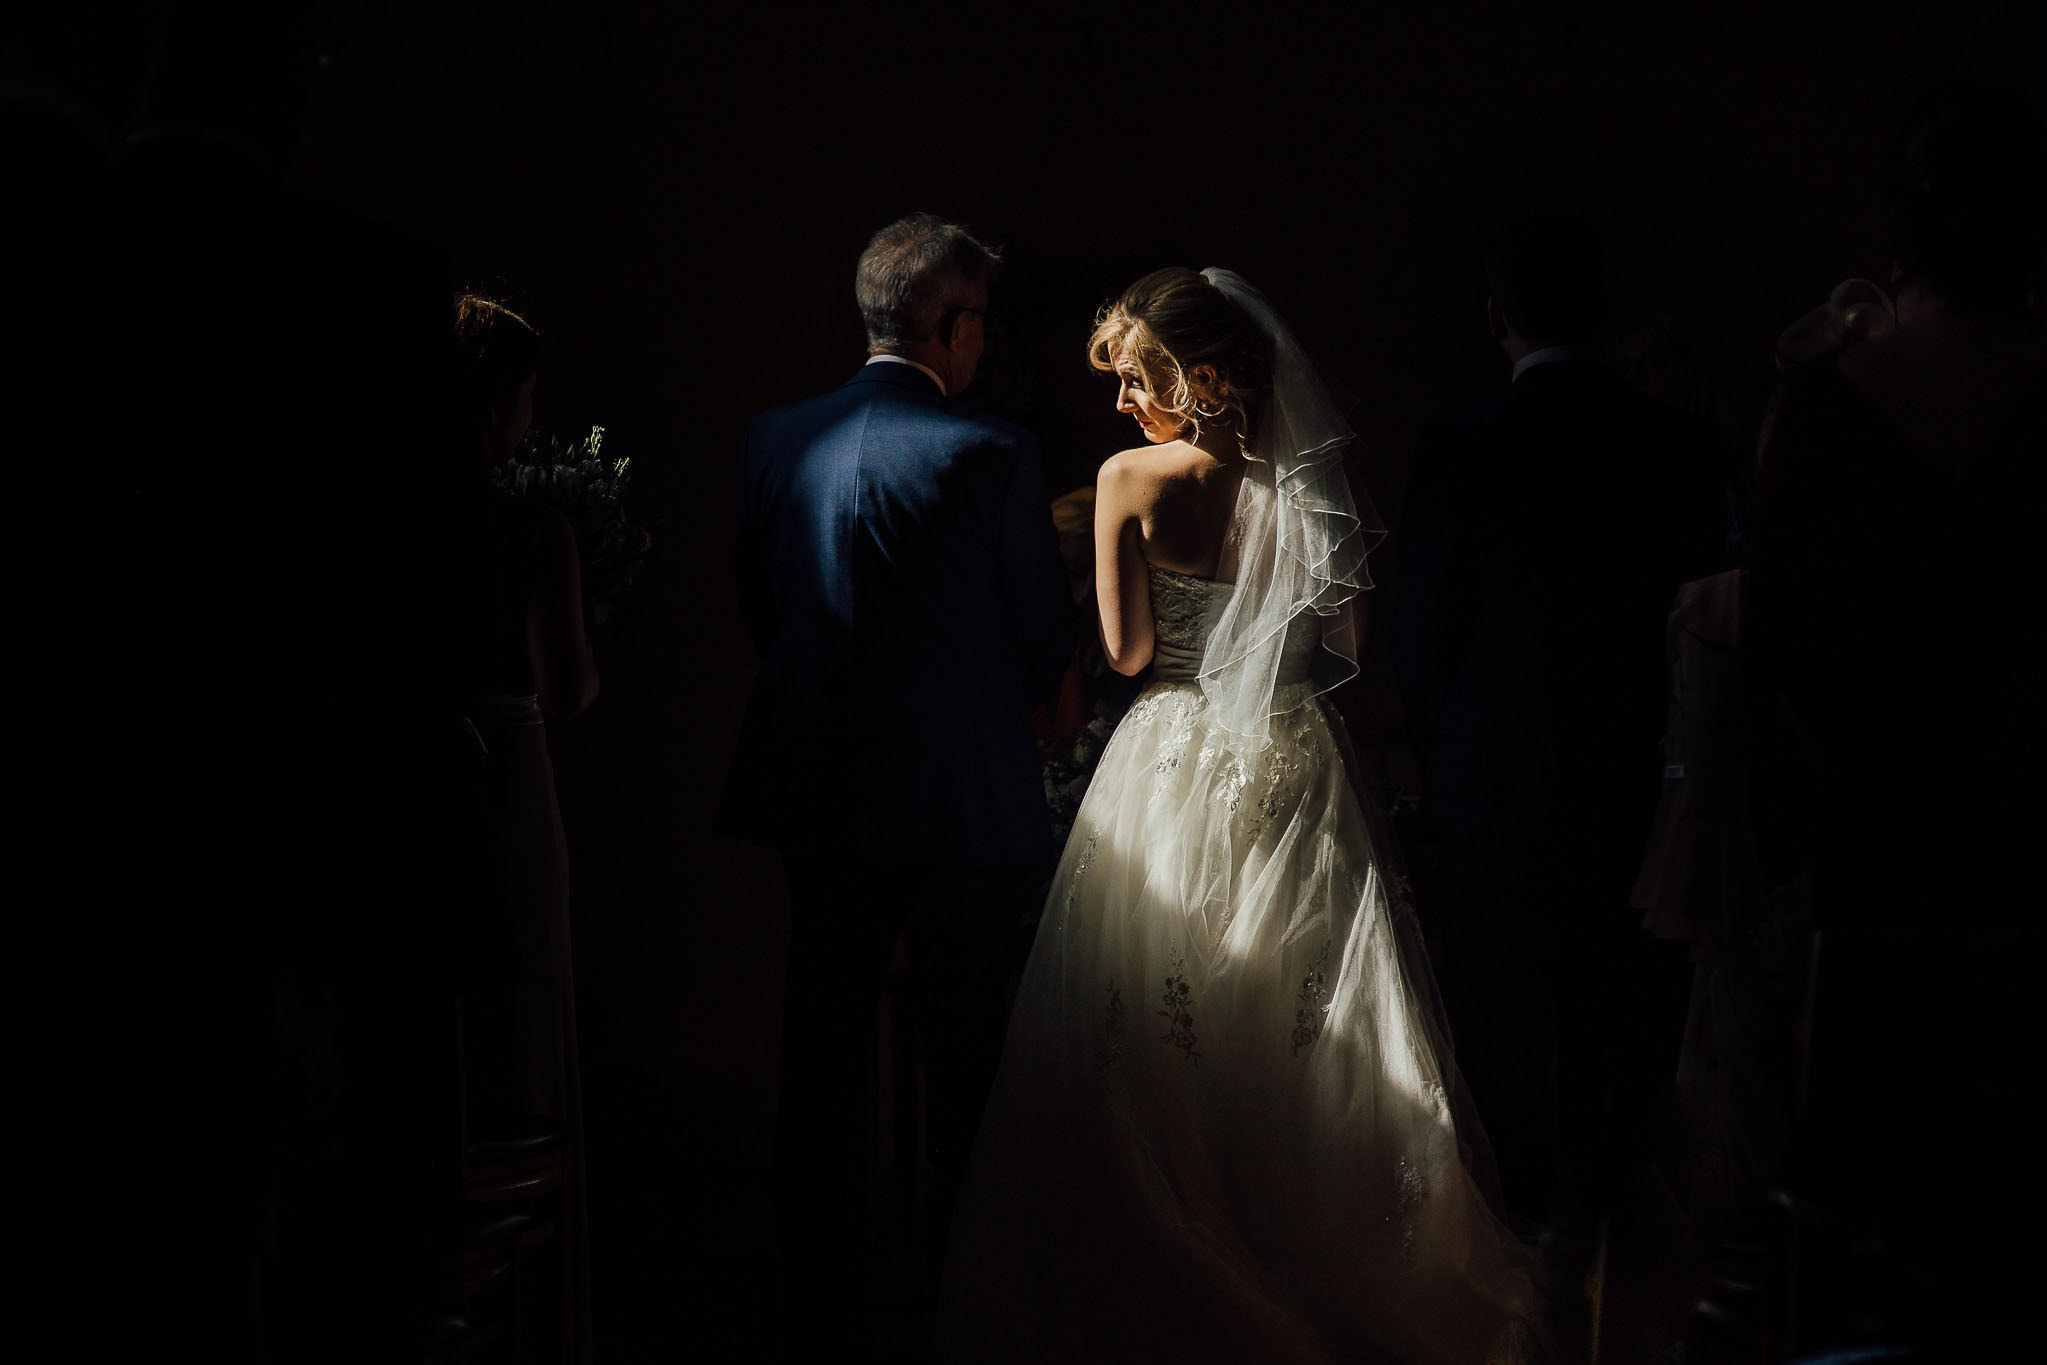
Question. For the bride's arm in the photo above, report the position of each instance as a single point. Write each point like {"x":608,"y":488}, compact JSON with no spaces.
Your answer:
{"x":1122,"y":587}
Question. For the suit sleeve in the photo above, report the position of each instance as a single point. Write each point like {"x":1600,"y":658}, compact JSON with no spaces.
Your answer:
{"x":750,"y":559}
{"x":1034,"y":582}
{"x":1432,"y":611}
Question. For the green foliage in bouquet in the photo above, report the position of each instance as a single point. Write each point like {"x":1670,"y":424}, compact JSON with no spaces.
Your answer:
{"x":576,"y":480}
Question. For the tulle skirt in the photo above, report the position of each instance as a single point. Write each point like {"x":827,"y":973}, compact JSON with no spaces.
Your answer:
{"x":1223,"y":1128}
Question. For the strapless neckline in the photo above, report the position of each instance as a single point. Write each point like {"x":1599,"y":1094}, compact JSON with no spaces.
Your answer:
{"x":1190,"y":577}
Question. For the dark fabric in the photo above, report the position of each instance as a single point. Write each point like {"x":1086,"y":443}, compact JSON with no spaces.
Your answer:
{"x":503,"y":539}
{"x":1922,"y":1068}
{"x":901,"y":578}
{"x":1542,"y":542}
{"x":846,"y":915}
{"x":1895,"y":602}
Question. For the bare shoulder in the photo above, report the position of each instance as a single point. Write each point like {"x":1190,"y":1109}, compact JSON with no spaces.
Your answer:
{"x":1143,"y":473}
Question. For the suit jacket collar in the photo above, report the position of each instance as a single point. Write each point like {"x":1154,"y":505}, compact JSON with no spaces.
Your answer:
{"x":901,"y":376}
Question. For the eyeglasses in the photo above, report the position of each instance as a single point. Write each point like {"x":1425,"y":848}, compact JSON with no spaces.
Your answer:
{"x":983,"y":313}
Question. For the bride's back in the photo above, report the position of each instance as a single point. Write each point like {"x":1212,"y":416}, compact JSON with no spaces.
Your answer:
{"x":1185,"y":500}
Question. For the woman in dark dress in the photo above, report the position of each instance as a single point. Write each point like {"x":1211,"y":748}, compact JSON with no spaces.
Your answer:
{"x":527,"y":659}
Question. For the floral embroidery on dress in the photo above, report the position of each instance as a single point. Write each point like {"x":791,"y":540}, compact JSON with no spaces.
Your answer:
{"x":1233,"y":775}
{"x":1308,"y":1018}
{"x":1412,"y":1191}
{"x":1178,"y":733}
{"x":1112,"y":1027}
{"x":1179,"y":1010}
{"x":1080,"y":867}
{"x":1414,"y":1187}
{"x":1280,"y":770}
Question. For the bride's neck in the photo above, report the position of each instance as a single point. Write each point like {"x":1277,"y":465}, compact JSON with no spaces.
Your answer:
{"x":1222,"y":443}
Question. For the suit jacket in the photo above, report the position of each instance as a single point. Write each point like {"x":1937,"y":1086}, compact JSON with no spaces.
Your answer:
{"x":901,"y":578}
{"x":1544,"y":537}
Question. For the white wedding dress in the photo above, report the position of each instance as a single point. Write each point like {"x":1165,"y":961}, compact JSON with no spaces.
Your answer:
{"x":1225,"y":1127}
{"x":1222,"y":1129}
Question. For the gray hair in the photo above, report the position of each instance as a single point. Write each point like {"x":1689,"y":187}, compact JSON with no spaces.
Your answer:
{"x":914,"y":272}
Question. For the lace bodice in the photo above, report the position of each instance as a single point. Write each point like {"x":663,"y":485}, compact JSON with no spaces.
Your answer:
{"x":1184,"y":609}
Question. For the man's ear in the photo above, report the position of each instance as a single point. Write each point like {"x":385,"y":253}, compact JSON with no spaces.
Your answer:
{"x":1496,"y":318}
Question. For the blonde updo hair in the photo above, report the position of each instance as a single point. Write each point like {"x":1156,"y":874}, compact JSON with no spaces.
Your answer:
{"x":1173,"y":322}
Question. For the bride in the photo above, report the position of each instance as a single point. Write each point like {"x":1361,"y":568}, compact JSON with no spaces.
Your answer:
{"x":1223,"y":1128}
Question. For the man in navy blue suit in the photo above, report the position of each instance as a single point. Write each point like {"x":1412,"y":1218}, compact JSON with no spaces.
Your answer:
{"x":900,"y":576}
{"x":1544,"y":536}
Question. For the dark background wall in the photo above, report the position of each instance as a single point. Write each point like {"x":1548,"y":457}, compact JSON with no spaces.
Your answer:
{"x":678,"y":200}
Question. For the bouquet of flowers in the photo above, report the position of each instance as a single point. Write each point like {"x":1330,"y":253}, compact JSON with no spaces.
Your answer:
{"x":577,"y":480}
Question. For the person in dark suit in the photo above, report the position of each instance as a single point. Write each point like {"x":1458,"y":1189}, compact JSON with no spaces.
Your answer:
{"x":901,"y":579}
{"x":1893,"y":602}
{"x":1545,"y":533}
